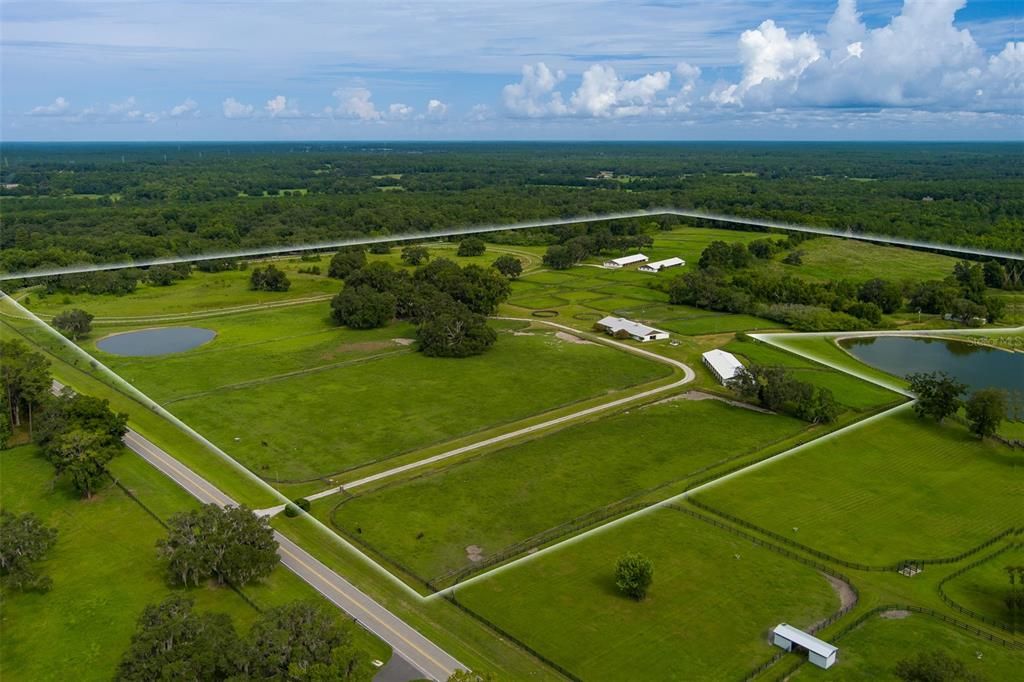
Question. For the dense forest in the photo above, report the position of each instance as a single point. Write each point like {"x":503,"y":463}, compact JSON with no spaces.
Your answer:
{"x":68,"y":203}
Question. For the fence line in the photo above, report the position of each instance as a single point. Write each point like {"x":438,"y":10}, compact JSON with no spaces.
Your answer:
{"x":950,"y":602}
{"x":852,"y":564}
{"x":512,"y":638}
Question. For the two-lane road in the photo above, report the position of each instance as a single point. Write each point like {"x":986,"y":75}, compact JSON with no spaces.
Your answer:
{"x":428,"y":658}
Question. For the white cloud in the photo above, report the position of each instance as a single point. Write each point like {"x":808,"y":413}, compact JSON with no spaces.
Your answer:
{"x":399,"y":111}
{"x":59,"y":107}
{"x":480,"y":112}
{"x":188,"y":108}
{"x":234,"y":109}
{"x":355,"y":103}
{"x":436,"y":109}
{"x":919,"y":59}
{"x":601,"y":93}
{"x":534,"y":95}
{"x":282,"y":107}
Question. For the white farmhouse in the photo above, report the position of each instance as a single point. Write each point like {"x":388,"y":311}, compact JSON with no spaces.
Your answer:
{"x":723,"y":365}
{"x":625,"y":260}
{"x":617,"y":326}
{"x":660,"y":265}
{"x":820,"y":653}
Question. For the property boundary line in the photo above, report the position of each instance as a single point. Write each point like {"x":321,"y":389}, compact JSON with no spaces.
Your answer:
{"x":553,"y":222}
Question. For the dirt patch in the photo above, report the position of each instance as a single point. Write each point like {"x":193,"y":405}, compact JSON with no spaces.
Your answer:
{"x":894,"y":614}
{"x":516,"y":332}
{"x":847,"y":597}
{"x":701,"y":395}
{"x":402,"y":341}
{"x":475,"y":553}
{"x":572,"y":338}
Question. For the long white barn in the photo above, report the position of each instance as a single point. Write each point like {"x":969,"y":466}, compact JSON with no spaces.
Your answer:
{"x":723,"y":365}
{"x":623,"y":261}
{"x":636,"y":331}
{"x":659,"y":265}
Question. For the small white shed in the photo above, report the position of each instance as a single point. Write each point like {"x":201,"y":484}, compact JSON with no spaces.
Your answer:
{"x":820,"y":653}
{"x":625,"y":260}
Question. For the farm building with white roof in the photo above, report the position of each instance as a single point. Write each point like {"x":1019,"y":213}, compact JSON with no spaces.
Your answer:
{"x":723,"y":365}
{"x":820,"y":653}
{"x":617,"y":326}
{"x":659,"y":265}
{"x":625,"y":260}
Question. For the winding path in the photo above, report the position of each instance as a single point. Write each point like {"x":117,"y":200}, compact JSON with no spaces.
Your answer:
{"x":688,"y":376}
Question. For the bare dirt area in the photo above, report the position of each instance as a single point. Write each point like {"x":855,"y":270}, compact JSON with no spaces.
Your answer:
{"x":474,"y":553}
{"x":701,"y":395}
{"x":894,"y":614}
{"x":572,"y":338}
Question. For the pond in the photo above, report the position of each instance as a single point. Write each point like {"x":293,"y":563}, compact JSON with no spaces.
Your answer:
{"x":158,"y":341}
{"x":975,"y":365}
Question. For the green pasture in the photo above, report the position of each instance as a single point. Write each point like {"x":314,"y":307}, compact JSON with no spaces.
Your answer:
{"x":510,"y":495}
{"x":891,"y":489}
{"x":870,"y":653}
{"x":983,"y":588}
{"x":707,"y":616}
{"x":832,"y":258}
{"x":105,"y":570}
{"x":320,"y":399}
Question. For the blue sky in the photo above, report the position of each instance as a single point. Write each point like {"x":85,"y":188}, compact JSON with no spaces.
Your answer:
{"x":520,"y":69}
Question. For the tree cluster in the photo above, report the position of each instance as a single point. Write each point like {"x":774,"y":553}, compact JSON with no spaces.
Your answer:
{"x":934,"y":666}
{"x":269,"y":278}
{"x":575,"y":248}
{"x":232,"y":545}
{"x":448,"y":303}
{"x":299,"y":642}
{"x":775,"y":388}
{"x":471,"y":246}
{"x":24,"y":541}
{"x":940,"y":395}
{"x":74,"y":323}
{"x":79,"y":435}
{"x":26,"y":380}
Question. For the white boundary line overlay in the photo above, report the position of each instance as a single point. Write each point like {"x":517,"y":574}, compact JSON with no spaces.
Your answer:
{"x":553,"y":222}
{"x":771,"y":339}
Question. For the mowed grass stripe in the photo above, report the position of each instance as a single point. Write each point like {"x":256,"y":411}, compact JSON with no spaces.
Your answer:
{"x":897,"y":488}
{"x":509,"y":496}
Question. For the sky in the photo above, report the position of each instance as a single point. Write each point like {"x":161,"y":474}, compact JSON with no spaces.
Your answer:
{"x":512,"y":70}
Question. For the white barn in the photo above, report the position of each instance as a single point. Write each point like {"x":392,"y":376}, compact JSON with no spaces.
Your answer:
{"x":635,"y":330}
{"x":820,"y":653}
{"x":659,"y":265}
{"x":625,"y":260}
{"x":723,"y":365}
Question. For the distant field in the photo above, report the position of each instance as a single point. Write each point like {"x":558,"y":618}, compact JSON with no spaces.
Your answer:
{"x":830,"y":258}
{"x":870,"y":653}
{"x":896,"y":488}
{"x":306,"y":400}
{"x":505,"y":497}
{"x":713,"y":599}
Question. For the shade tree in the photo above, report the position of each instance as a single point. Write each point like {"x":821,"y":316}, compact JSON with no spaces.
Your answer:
{"x":74,"y":323}
{"x":24,"y":541}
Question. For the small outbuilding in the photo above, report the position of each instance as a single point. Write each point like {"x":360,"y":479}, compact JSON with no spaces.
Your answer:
{"x":620,"y":326}
{"x":659,"y":265}
{"x":820,"y":653}
{"x":625,"y":260}
{"x":723,"y":365}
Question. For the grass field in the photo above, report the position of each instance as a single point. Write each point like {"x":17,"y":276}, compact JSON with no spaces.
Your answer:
{"x":706,"y":617}
{"x":983,"y":588}
{"x":306,"y":399}
{"x":492,"y":502}
{"x":894,"y":488}
{"x":871,"y":652}
{"x":830,"y":258}
{"x":105,"y":571}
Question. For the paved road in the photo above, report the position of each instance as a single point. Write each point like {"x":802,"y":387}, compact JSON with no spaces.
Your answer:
{"x":430,"y":660}
{"x":688,"y":376}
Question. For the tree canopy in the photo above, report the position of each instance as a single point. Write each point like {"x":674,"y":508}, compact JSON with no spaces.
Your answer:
{"x":24,"y":541}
